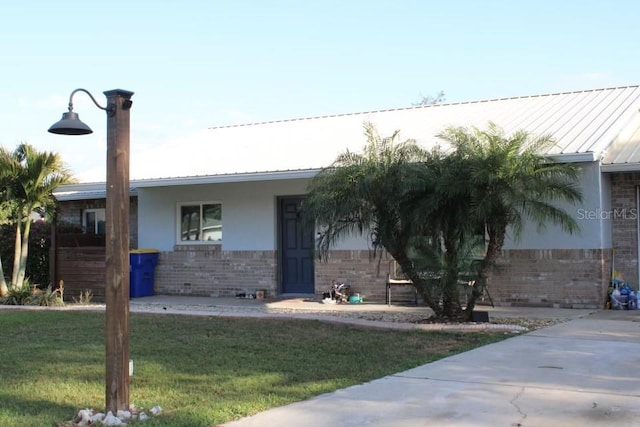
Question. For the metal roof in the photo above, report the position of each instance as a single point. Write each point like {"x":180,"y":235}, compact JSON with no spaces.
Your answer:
{"x":624,"y":153}
{"x":583,"y":123}
{"x":85,"y":191}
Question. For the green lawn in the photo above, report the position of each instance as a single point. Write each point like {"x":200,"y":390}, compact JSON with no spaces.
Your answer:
{"x":201,"y":370}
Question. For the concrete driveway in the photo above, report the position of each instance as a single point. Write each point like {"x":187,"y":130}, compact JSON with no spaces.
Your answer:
{"x":584,"y":372}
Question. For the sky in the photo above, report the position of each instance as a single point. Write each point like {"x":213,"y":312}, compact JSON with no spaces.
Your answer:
{"x":195,"y":64}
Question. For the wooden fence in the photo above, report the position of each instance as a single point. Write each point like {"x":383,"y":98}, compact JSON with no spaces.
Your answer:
{"x":82,"y":269}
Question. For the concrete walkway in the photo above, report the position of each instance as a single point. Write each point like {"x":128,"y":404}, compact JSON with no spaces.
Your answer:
{"x":311,"y":305}
{"x":584,"y":372}
{"x":368,"y":314}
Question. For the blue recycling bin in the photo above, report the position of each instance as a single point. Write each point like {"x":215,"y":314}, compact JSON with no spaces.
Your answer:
{"x":142,"y":265}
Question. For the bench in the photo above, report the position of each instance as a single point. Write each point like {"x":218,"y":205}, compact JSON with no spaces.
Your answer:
{"x":393,"y":280}
{"x":399,"y":282}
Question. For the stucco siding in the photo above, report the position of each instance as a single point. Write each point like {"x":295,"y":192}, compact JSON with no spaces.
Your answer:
{"x":588,"y":214}
{"x":249,"y":214}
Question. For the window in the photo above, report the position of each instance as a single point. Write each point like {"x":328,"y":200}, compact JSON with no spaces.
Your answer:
{"x":200,"y":222}
{"x":93,"y":221}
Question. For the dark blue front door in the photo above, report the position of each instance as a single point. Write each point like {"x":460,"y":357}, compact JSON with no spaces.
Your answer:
{"x":296,"y":249}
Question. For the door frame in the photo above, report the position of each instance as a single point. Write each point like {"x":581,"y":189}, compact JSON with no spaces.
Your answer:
{"x":280,"y":245}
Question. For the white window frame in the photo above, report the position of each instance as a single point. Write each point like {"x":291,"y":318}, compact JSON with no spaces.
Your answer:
{"x":98,"y":212}
{"x":179,"y":207}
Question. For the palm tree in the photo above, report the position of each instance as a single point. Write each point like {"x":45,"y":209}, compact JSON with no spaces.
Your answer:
{"x":437,"y":212}
{"x":8,"y":170}
{"x":445,"y":239}
{"x":3,"y":281}
{"x":365,"y":194}
{"x":508,"y":181}
{"x":32,"y":178}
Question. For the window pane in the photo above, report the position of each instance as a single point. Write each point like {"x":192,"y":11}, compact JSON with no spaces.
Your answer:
{"x":190,"y":223}
{"x":212,"y":222}
{"x":100,"y":222}
{"x":90,"y":222}
{"x":102,"y":227}
{"x":93,"y":221}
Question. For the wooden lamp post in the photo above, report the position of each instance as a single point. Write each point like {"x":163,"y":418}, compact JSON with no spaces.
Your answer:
{"x":117,"y":238}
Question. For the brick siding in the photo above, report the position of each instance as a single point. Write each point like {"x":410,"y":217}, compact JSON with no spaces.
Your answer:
{"x":206,"y":270}
{"x":625,"y":227}
{"x":551,"y":278}
{"x":363,"y":273}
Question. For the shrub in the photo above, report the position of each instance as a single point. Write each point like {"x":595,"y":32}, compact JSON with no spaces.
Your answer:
{"x":30,"y":295}
{"x":21,"y":296}
{"x":48,"y":297}
{"x":85,"y":297}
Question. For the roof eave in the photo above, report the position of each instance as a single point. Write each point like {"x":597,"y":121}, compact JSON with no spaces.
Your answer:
{"x":620,"y":167}
{"x":97,"y":190}
{"x":226,"y":178}
{"x":79,"y":194}
{"x":588,"y":156}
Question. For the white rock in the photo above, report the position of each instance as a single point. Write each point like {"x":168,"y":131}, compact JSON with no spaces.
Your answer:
{"x":111,"y":420}
{"x":84,"y":417}
{"x":143,"y":416}
{"x":124,"y":415}
{"x":84,"y":413}
{"x":97,"y":417}
{"x":155,"y":410}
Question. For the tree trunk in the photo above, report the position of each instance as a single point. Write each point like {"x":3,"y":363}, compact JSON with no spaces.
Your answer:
{"x":421,"y":285}
{"x":450,"y":292}
{"x":494,"y":246}
{"x":24,"y":252}
{"x":3,"y":283}
{"x":476,"y":291}
{"x":16,"y":253}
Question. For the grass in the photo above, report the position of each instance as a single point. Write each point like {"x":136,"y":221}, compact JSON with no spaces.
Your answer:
{"x":202,"y":371}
